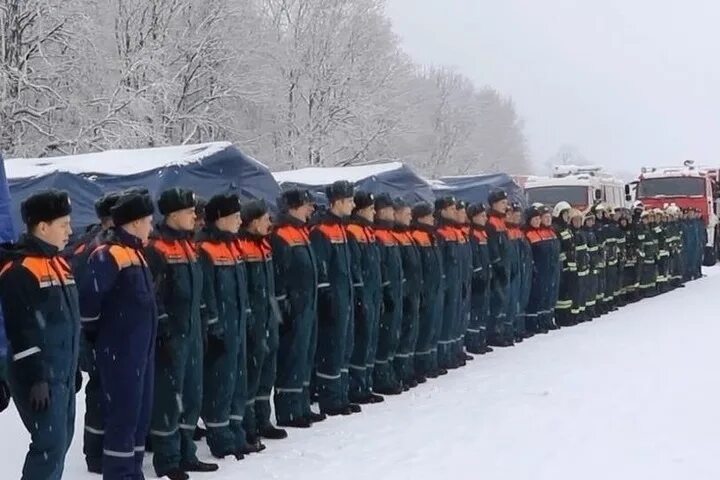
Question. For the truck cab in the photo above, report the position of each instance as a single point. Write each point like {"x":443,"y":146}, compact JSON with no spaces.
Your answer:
{"x":580,"y":186}
{"x":688,"y":186}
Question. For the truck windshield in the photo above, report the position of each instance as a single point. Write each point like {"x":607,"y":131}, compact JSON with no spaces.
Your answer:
{"x":671,"y":186}
{"x":553,"y":195}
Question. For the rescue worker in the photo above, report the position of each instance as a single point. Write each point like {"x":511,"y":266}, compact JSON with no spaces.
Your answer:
{"x":568,"y":274}
{"x":463,"y":227}
{"x":526,"y":267}
{"x":224,"y":312}
{"x":335,"y":302}
{"x":449,"y":242}
{"x":502,"y":333}
{"x":94,"y":428}
{"x":546,"y":318}
{"x":263,"y":322}
{"x":431,"y":296}
{"x":476,"y":336}
{"x":179,"y":351}
{"x":541,"y":241}
{"x":630,"y":259}
{"x":412,"y":283}
{"x":513,"y":221}
{"x":582,"y":259}
{"x":296,"y":282}
{"x":385,"y":381}
{"x":591,"y":282}
{"x":598,"y":211}
{"x":365,"y":255}
{"x":120,"y":321}
{"x":42,"y":322}
{"x":612,"y":237}
{"x":663,"y":253}
{"x":4,"y":389}
{"x":648,"y":253}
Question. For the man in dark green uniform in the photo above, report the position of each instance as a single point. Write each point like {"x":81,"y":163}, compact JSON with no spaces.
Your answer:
{"x":179,"y":351}
{"x":476,"y":337}
{"x":42,"y":321}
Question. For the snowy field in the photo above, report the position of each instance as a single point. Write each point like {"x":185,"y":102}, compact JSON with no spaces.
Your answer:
{"x":633,"y":395}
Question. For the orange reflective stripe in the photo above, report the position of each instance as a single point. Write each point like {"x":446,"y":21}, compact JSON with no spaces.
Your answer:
{"x":178,"y":251}
{"x":255,"y":251}
{"x":448,"y":233}
{"x":334,"y":233}
{"x":498,"y":223}
{"x":422,"y":238}
{"x":385,"y":237}
{"x":534,"y":236}
{"x":360,"y":233}
{"x":293,"y":236}
{"x":221,"y":254}
{"x":480,"y":236}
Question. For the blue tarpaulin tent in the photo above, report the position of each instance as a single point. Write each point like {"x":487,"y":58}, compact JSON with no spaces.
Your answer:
{"x":7,"y":234}
{"x":207,"y":169}
{"x":475,"y":188}
{"x":395,"y":179}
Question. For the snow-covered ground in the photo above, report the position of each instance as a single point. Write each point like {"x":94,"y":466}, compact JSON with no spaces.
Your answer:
{"x":633,"y":395}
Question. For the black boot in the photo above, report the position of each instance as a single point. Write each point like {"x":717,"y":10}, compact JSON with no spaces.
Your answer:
{"x":467,"y":357}
{"x":316,"y":417}
{"x":254,"y":445}
{"x":176,"y":474}
{"x":199,"y":434}
{"x":420,"y":379}
{"x":94,"y":465}
{"x":199,"y":466}
{"x":334,"y":412}
{"x":272,"y":433}
{"x":373,"y":398}
{"x":355,"y":408}
{"x":412,"y":383}
{"x":394,"y":390}
{"x":296,"y":423}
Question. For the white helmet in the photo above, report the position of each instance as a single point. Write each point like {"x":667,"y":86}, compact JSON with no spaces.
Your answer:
{"x":560,"y":208}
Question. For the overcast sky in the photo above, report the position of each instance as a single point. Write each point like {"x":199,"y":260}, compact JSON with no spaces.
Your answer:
{"x":630,"y":83}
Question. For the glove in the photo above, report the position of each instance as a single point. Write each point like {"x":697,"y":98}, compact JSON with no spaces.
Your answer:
{"x":40,"y":397}
{"x":164,"y":351}
{"x":215,"y":348}
{"x":78,"y":380}
{"x":4,"y":396}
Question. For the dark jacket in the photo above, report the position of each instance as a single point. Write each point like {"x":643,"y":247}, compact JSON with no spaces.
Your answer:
{"x":42,"y":316}
{"x":391,"y":270}
{"x":258,"y":256}
{"x":365,"y":254}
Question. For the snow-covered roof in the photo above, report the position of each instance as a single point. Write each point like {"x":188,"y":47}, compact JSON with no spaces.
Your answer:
{"x":113,"y":162}
{"x":318,"y":176}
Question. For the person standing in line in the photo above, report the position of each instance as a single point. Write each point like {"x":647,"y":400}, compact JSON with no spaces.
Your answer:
{"x":296,"y":282}
{"x":476,"y":337}
{"x":119,"y":314}
{"x":335,"y":302}
{"x":365,"y":254}
{"x":42,"y":321}
{"x":502,"y":334}
{"x":179,"y":353}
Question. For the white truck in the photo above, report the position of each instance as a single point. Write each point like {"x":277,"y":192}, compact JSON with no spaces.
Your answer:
{"x":580,"y":186}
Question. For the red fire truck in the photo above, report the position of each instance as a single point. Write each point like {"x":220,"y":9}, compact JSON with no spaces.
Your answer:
{"x":688,"y":186}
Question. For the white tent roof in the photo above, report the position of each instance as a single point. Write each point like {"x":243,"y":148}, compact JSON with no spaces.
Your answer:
{"x":319,"y":176}
{"x":113,"y":162}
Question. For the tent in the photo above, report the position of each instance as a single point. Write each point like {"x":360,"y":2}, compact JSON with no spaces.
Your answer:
{"x":475,"y":188}
{"x":7,"y":234}
{"x":208,"y":169}
{"x":394,"y":178}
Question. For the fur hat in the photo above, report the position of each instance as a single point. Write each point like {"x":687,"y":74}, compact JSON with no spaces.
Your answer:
{"x":253,"y":210}
{"x":221,"y":206}
{"x":475,"y":209}
{"x":444,"y":202}
{"x":339,"y":190}
{"x":383,"y":201}
{"x":104,"y":204}
{"x":131,"y":206}
{"x":45,"y":206}
{"x":496,"y":195}
{"x":295,"y":198}
{"x":421,"y":210}
{"x":363,"y":200}
{"x":174,"y":200}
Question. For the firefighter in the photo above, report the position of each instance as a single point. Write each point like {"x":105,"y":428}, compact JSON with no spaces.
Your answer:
{"x":335,"y":302}
{"x":42,"y":321}
{"x":578,"y":287}
{"x":225,"y":304}
{"x":178,"y":377}
{"x":568,"y":274}
{"x":94,"y":428}
{"x":663,"y":252}
{"x":629,"y":265}
{"x":502,"y":333}
{"x":648,"y":253}
{"x":591,"y":283}
{"x":600,"y":230}
{"x":365,"y":254}
{"x":431,"y":292}
{"x":476,"y":337}
{"x":541,"y":241}
{"x":263,"y":322}
{"x":119,"y":286}
{"x":449,"y":242}
{"x":296,"y":281}
{"x":412,"y":283}
{"x":385,"y":381}
{"x":612,"y":246}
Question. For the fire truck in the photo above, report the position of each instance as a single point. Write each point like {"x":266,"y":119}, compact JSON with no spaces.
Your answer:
{"x":580,"y":186}
{"x":687,"y":186}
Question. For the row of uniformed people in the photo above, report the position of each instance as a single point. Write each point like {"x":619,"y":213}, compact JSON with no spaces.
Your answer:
{"x":185,"y":326}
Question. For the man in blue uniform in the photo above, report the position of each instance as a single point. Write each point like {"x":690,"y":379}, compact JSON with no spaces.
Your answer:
{"x":120,"y":323}
{"x":296,"y":281}
{"x":178,"y":380}
{"x":42,"y":322}
{"x":449,"y":242}
{"x":502,"y":333}
{"x":335,"y":301}
{"x":476,"y":339}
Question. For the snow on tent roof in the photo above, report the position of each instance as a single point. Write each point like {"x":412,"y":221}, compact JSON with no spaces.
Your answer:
{"x":475,"y":188}
{"x":394,"y":178}
{"x":208,"y":169}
